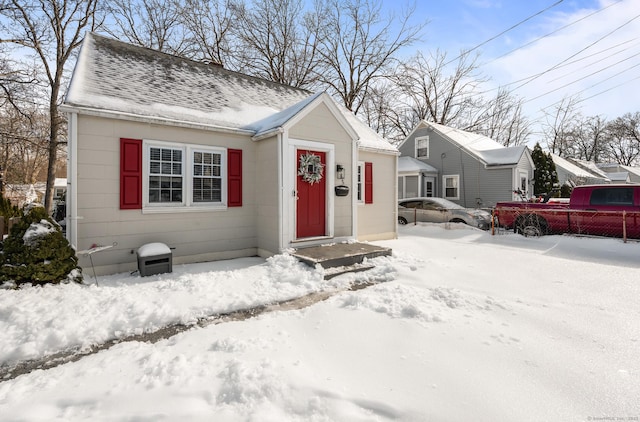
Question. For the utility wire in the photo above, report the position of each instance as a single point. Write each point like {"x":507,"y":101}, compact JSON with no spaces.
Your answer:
{"x":504,"y":32}
{"x":551,"y":33}
{"x":599,"y":60}
{"x":575,"y":54}
{"x":589,"y":75}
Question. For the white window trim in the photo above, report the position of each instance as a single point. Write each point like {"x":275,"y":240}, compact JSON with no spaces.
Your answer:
{"x":404,"y":184}
{"x":361,"y":184}
{"x":444,"y":186}
{"x":187,"y":204}
{"x":422,"y":138}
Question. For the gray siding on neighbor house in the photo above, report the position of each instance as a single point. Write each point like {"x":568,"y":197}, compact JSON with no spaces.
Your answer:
{"x":480,"y":186}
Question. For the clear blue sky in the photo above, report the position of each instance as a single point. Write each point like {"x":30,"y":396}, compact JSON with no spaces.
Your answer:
{"x":590,"y":57}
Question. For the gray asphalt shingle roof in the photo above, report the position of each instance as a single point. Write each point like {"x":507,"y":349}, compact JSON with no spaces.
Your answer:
{"x":117,"y":77}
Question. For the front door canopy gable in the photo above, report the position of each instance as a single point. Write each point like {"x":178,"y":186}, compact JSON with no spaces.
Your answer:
{"x":284,"y":120}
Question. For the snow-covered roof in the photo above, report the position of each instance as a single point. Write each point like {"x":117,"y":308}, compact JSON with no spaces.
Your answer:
{"x":590,"y":166}
{"x":574,"y":169}
{"x":116,"y":77}
{"x":615,"y":168}
{"x":408,"y":164}
{"x":502,"y":155}
{"x":619,"y":176}
{"x":486,"y":149}
{"x":466,"y":139}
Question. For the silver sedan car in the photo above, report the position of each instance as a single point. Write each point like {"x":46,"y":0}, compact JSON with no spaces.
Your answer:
{"x":440,"y":210}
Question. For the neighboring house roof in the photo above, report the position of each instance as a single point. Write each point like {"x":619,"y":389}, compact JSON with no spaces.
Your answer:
{"x":413,"y":165}
{"x":113,"y":77}
{"x":465,"y":139}
{"x":503,"y":155}
{"x":614,"y":167}
{"x":591,"y":167}
{"x":492,"y":153}
{"x":575,"y":169}
{"x":619,"y":177}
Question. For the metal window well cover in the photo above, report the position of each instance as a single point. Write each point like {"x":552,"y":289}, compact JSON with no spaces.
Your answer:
{"x":154,"y":258}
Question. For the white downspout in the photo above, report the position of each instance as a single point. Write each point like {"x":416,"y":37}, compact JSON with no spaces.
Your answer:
{"x":280,"y":192}
{"x":72,"y":181}
{"x":355,"y":158}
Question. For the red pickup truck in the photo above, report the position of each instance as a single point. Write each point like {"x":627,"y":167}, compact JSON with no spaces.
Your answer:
{"x":601,"y":210}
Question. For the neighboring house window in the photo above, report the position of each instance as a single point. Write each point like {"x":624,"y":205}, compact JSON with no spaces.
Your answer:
{"x":178,"y":175}
{"x":364,"y":183}
{"x":408,"y":186}
{"x":451,"y":186}
{"x":422,"y":147}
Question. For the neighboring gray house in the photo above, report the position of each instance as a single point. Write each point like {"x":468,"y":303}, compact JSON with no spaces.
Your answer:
{"x":467,"y":168}
{"x":213,"y":163}
{"x":621,"y":173}
{"x":575,"y":172}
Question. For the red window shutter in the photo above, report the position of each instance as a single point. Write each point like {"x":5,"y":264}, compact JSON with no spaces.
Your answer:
{"x":234,"y":177}
{"x":368,"y":183}
{"x":130,"y":174}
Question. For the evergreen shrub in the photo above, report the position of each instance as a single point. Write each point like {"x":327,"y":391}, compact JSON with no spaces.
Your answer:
{"x":37,"y":252}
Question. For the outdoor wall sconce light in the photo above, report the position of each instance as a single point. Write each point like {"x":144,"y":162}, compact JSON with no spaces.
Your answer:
{"x":341,"y":190}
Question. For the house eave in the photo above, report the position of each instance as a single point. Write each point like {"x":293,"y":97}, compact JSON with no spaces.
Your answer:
{"x":379,"y":150}
{"x":267,"y":134}
{"x":111,"y":114}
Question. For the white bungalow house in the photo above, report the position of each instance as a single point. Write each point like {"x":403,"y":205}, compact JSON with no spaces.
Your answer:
{"x":467,"y":168}
{"x":213,"y":163}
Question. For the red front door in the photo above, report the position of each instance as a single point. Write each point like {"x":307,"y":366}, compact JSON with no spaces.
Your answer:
{"x":312,"y":197}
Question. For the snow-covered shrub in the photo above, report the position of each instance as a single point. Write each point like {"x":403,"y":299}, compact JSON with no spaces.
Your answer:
{"x":37,"y":252}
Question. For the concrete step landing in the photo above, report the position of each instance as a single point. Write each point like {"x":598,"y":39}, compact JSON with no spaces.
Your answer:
{"x":340,"y":258}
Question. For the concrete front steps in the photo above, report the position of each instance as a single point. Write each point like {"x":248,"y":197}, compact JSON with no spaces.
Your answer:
{"x":341,"y":258}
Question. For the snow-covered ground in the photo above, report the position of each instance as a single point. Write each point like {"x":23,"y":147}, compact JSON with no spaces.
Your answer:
{"x":466,"y":327}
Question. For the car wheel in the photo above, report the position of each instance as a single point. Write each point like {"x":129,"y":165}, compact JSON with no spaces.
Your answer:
{"x":402,"y":221}
{"x":531,"y":225}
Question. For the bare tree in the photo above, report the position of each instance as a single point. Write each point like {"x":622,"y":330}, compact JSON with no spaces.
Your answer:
{"x":154,"y":24}
{"x":24,"y":144}
{"x":502,"y":120}
{"x":559,"y":127}
{"x":280,"y":40}
{"x":359,"y":45}
{"x":52,"y":30}
{"x":623,"y":134}
{"x":590,"y":138}
{"x":382,"y":112}
{"x":437,"y":95}
{"x":209,"y":31}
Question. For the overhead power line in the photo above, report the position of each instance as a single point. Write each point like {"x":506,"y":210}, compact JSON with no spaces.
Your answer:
{"x":552,"y":32}
{"x":589,"y":75}
{"x":505,"y":31}
{"x":575,"y":54}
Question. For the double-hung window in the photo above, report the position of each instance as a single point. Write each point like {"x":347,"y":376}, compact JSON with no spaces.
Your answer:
{"x":184,"y":175}
{"x":422,"y":147}
{"x":451,"y":186}
{"x":360,"y":183}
